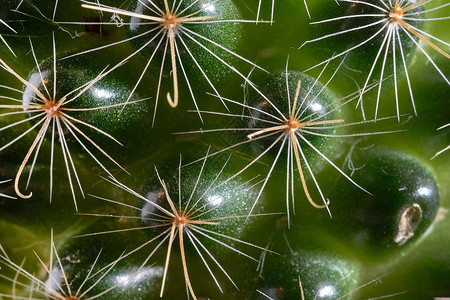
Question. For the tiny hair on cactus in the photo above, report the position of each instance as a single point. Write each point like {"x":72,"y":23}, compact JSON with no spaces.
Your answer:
{"x":174,"y":28}
{"x":291,"y":131}
{"x":3,"y":23}
{"x":189,"y":219}
{"x":393,"y":22}
{"x":59,"y":284}
{"x":52,"y":112}
{"x":4,"y":195}
{"x":445,"y":148}
{"x":258,"y":13}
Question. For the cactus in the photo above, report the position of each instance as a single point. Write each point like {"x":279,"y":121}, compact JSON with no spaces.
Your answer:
{"x":224,"y":149}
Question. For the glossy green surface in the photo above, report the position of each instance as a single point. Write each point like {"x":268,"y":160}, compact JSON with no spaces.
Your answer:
{"x":404,"y":202}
